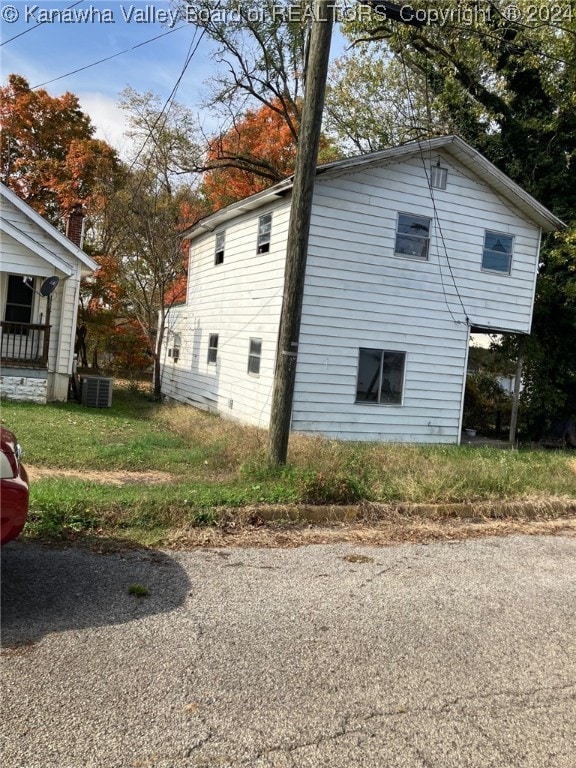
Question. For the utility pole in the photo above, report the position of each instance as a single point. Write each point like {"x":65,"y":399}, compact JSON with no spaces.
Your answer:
{"x":299,"y":227}
{"x":516,"y":396}
{"x":301,"y":211}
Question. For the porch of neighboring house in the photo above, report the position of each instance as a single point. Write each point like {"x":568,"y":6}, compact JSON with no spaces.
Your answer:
{"x":25,"y":333}
{"x":24,"y":345}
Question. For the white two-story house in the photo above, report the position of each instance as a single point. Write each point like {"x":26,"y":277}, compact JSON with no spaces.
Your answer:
{"x":410,"y":250}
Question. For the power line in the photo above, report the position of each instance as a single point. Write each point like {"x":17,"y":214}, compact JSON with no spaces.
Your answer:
{"x":108,"y":58}
{"x":40,"y":23}
{"x":189,"y":56}
{"x":437,"y":223}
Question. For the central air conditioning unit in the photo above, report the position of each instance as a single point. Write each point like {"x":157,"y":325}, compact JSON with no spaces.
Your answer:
{"x":96,"y":392}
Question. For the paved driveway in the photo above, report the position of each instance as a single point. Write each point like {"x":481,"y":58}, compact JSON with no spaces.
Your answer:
{"x":448,"y":655}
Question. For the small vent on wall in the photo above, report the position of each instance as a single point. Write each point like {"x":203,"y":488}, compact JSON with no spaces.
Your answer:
{"x":96,"y":392}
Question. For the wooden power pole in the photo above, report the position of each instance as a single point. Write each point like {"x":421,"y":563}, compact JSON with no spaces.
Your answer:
{"x":298,"y":230}
{"x":301,"y":210}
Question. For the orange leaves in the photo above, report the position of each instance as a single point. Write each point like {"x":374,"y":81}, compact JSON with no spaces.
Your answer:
{"x":259,"y":151}
{"x":48,"y":155}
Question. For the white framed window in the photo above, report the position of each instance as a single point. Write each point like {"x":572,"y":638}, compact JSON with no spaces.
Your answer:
{"x":497,"y":253}
{"x":438,"y":177}
{"x":219,"y":247}
{"x":412,"y":236}
{"x":380,"y":376}
{"x":254,"y":356}
{"x":264,"y":232}
{"x":212,"y":348}
{"x":174,"y":350}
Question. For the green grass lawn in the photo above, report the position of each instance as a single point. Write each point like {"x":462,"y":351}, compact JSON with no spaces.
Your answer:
{"x":218,"y":465}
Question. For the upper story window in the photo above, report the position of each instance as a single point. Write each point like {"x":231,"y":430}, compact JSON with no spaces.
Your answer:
{"x":412,"y":236}
{"x":254,"y":356}
{"x":497,"y":254}
{"x":380,"y":376}
{"x":438,"y":177}
{"x":213,"y":348}
{"x":219,"y":247}
{"x":264,"y":230}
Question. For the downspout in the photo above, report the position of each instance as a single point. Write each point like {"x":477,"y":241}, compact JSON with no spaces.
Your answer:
{"x":464,"y":374}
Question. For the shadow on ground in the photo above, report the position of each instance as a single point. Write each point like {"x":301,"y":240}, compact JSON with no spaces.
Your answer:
{"x":47,"y":590}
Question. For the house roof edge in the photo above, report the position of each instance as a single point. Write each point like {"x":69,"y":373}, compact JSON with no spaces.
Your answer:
{"x":50,"y":229}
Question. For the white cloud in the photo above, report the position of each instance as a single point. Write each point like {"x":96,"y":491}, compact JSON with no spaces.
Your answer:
{"x":108,"y":118}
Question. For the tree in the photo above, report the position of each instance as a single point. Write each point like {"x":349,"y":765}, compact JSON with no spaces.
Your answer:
{"x":48,"y":155}
{"x":149,"y":258}
{"x":371,"y":105}
{"x":259,"y":151}
{"x":136,"y":237}
{"x":260,"y":55}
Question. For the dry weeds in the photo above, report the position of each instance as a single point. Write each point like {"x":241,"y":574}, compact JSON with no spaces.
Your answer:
{"x":386,"y":533}
{"x":101,"y":476}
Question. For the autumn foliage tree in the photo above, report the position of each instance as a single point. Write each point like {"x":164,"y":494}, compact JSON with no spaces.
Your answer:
{"x":257,"y":152}
{"x":48,"y":153}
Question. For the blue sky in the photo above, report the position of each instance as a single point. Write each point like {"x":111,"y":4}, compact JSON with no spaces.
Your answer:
{"x":56,"y":48}
{"x":94,"y":30}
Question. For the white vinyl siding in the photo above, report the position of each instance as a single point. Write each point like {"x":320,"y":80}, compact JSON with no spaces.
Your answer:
{"x":359,"y":294}
{"x":239,"y":300}
{"x":18,"y":258}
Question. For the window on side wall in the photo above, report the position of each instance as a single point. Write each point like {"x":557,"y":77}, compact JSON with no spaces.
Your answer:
{"x":175,"y":351}
{"x":213,"y":348}
{"x":264,"y":231}
{"x":380,"y":376}
{"x":497,"y":254}
{"x":254,"y":356}
{"x":219,"y":247}
{"x":19,"y":300}
{"x":412,"y":236}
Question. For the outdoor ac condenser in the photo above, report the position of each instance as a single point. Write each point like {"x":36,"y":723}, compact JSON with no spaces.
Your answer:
{"x":96,"y":391}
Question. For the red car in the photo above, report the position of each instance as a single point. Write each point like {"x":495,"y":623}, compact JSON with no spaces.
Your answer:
{"x":13,"y":488}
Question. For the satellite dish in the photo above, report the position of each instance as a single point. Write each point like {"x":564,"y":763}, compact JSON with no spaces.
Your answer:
{"x":49,"y":285}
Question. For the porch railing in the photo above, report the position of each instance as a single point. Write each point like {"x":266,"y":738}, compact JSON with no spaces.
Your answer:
{"x":25,"y":344}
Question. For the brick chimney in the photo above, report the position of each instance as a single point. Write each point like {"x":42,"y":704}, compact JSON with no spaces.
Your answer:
{"x":75,"y":226}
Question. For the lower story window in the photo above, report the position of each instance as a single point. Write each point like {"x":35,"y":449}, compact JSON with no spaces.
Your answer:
{"x":213,"y":348}
{"x":380,"y":376}
{"x":254,"y":355}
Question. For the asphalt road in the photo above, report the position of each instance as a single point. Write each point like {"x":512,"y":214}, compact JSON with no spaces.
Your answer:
{"x":448,"y":655}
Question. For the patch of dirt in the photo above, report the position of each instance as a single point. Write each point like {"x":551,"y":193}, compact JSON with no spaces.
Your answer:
{"x":97,"y":476}
{"x":389,"y":533}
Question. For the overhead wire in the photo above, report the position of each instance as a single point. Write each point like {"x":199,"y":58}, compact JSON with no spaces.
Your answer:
{"x":437,"y":223}
{"x":108,"y":58}
{"x":189,"y":56}
{"x":40,"y":23}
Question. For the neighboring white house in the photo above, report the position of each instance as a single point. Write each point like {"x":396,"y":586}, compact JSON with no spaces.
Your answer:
{"x":38,"y":332}
{"x":411,"y":249}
